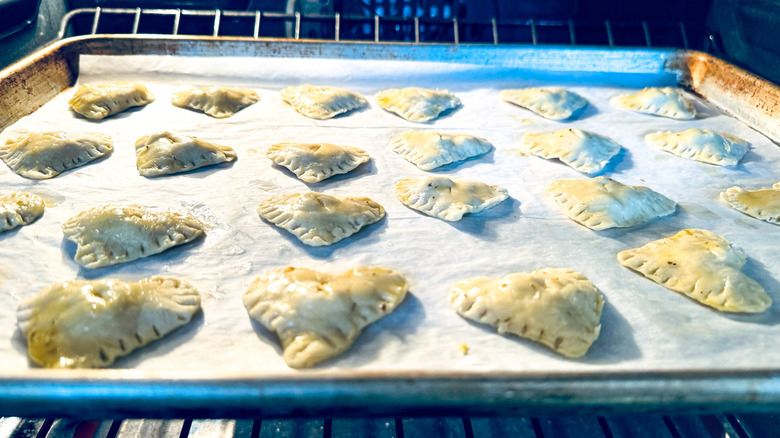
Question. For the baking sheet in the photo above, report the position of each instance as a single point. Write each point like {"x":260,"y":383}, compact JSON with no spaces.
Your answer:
{"x":644,"y":326}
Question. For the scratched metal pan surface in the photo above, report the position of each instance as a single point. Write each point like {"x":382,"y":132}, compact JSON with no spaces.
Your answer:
{"x":34,"y":81}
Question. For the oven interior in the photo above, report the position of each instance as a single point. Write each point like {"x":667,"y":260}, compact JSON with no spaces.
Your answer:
{"x":741,"y":32}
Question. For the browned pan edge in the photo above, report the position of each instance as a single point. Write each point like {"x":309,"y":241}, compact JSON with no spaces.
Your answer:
{"x":750,"y":99}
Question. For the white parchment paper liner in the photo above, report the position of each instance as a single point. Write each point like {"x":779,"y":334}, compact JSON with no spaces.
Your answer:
{"x":645,"y":327}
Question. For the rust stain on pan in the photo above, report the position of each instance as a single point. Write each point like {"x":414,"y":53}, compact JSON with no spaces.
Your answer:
{"x":33,"y":81}
{"x":749,"y":98}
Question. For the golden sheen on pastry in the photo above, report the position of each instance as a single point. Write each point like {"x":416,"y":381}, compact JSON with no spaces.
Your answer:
{"x":665,"y":102}
{"x":430,"y":149}
{"x":581,"y":150}
{"x":164,"y":153}
{"x":218,"y":102}
{"x":314,"y":162}
{"x":761,"y":204}
{"x":417,"y":104}
{"x":549,"y":102}
{"x":600,"y":203}
{"x":318,"y":219}
{"x":100,"y":101}
{"x":122,"y":233}
{"x":318,"y":315}
{"x":701,"y":265}
{"x":43,"y":155}
{"x":319,"y":102}
{"x":19,"y":209}
{"x":446,"y":199}
{"x":88,"y":324}
{"x":701,"y":145}
{"x":557,"y":307}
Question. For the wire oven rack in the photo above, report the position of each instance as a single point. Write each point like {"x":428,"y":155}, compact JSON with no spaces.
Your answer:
{"x":338,"y":27}
{"x":634,"y":426}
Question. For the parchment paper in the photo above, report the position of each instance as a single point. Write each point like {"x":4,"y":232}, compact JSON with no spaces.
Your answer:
{"x":644,"y":326}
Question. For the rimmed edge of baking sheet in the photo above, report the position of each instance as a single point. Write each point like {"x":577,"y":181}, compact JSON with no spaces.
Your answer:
{"x":121,"y":393}
{"x":30,"y":83}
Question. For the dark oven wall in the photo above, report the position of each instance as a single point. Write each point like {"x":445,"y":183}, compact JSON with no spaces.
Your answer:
{"x":27,"y":25}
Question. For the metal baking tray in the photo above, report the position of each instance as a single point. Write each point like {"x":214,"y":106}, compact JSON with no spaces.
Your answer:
{"x":32,"y":82}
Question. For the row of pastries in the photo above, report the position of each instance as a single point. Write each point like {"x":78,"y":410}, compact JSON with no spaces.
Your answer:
{"x":319,"y":219}
{"x":45,"y":155}
{"x":97,"y":102}
{"x":165,"y":153}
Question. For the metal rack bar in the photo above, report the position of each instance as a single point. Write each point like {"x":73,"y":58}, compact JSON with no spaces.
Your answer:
{"x":176,"y":21}
{"x":646,"y":29}
{"x":256,"y":29}
{"x":136,"y":20}
{"x":572,"y":33}
{"x":217,"y":17}
{"x":337,"y":26}
{"x":297,"y":25}
{"x":684,"y":35}
{"x":455,"y":36}
{"x":95,"y":20}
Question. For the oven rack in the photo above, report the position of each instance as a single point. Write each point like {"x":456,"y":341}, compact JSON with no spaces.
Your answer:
{"x":404,"y":29}
{"x":622,"y":426}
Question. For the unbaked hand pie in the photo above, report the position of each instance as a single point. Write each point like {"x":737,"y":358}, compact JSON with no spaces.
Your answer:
{"x":701,"y":265}
{"x":164,"y":153}
{"x":446,"y":199}
{"x":600,"y":203}
{"x":314,"y":162}
{"x":701,"y":145}
{"x":43,"y":155}
{"x":761,"y":204}
{"x":100,"y":101}
{"x":319,"y":102}
{"x":549,"y":102}
{"x":430,"y":149}
{"x":89,"y":324}
{"x":319,"y":315}
{"x":19,"y":209}
{"x":557,"y":307}
{"x":417,"y":104}
{"x":581,"y":150}
{"x":122,"y":233}
{"x":318,"y":219}
{"x":665,"y":102}
{"x":218,"y":102}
